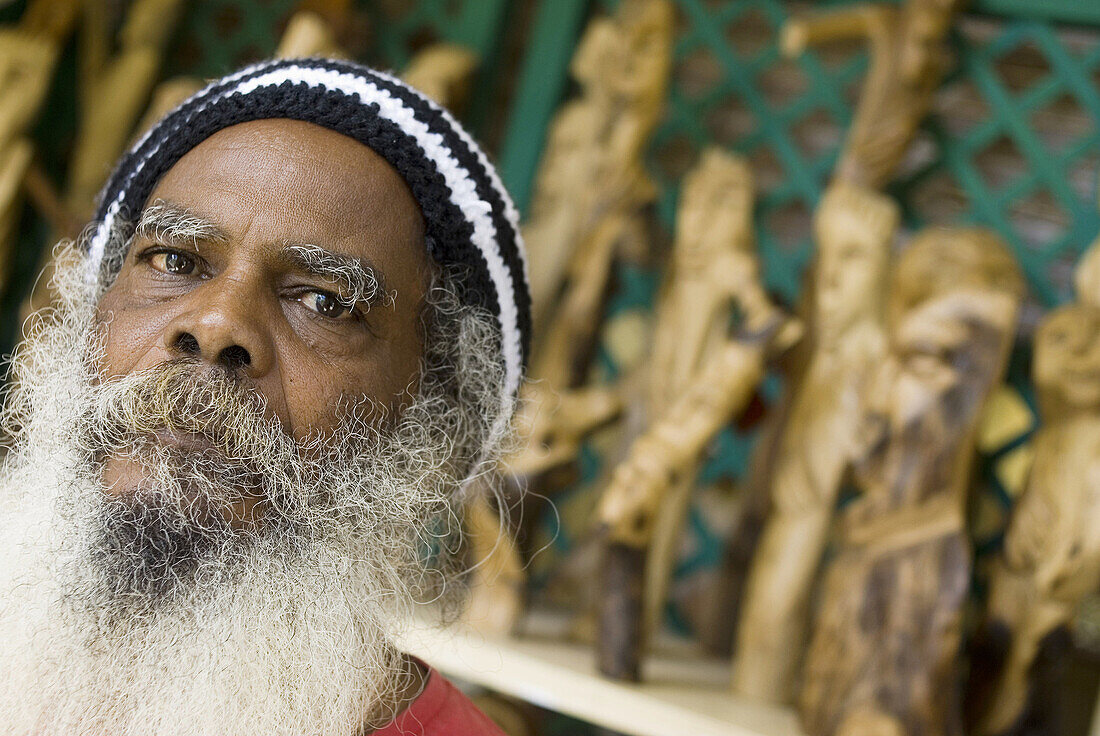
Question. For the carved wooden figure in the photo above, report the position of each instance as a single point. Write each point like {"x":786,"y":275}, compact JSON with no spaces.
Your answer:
{"x":1051,"y":558}
{"x":115,"y":92}
{"x":698,"y":380}
{"x":28,"y":54}
{"x":443,"y":71}
{"x":592,"y":162}
{"x":854,"y":230}
{"x":309,"y":34}
{"x":887,"y":631}
{"x":908,"y":57}
{"x":588,"y":204}
{"x":815,"y":440}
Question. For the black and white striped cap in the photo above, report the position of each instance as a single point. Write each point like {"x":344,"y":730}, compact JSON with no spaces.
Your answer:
{"x":469,"y":218}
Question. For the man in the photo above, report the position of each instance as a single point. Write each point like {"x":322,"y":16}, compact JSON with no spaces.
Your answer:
{"x":239,"y":444}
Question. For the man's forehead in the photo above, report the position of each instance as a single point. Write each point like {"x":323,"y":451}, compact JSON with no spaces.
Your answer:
{"x":295,"y":171}
{"x":285,"y":181}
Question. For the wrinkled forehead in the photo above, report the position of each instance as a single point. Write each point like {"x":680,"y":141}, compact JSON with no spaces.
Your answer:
{"x":293,"y":181}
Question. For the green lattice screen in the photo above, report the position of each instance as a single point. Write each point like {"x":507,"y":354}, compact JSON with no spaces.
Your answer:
{"x":1012,"y":144}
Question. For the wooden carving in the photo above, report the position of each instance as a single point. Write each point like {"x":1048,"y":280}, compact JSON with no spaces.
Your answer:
{"x":309,"y":34}
{"x":698,"y":380}
{"x":815,"y":441}
{"x":908,"y":57}
{"x":854,"y":230}
{"x":28,"y":54}
{"x":1051,"y":558}
{"x":115,"y":93}
{"x":443,"y":72}
{"x":888,"y":627}
{"x":588,"y":204}
{"x":592,"y":161}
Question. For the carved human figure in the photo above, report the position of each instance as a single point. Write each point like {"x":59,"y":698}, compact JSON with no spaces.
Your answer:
{"x":1051,"y":558}
{"x":714,"y":267}
{"x":854,"y":229}
{"x":698,"y":379}
{"x":115,"y":93}
{"x":587,"y":208}
{"x":587,"y":204}
{"x":594,"y":147}
{"x":885,"y":645}
{"x":28,"y":55}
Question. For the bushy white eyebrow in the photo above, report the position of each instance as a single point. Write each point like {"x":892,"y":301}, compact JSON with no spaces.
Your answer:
{"x":363,"y":283}
{"x":167,"y":222}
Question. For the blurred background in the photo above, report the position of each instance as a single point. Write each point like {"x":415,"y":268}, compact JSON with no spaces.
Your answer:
{"x":1011,"y":143}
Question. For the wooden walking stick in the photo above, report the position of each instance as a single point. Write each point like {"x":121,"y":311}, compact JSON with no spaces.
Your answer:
{"x":588,"y":208}
{"x":885,"y":645}
{"x":698,"y":379}
{"x":854,"y":229}
{"x":596,"y":142}
{"x":28,"y":55}
{"x":1051,"y":557}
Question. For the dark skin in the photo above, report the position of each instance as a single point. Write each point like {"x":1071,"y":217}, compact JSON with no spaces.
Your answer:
{"x":265,"y":185}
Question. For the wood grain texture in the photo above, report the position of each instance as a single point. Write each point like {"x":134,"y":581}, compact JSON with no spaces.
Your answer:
{"x":885,"y":646}
{"x":1051,"y":557}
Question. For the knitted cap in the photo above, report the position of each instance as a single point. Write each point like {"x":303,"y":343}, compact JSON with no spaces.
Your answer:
{"x":469,"y":218}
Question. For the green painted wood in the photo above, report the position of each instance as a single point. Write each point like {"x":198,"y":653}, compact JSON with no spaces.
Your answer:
{"x":542,"y":81}
{"x":1068,"y":11}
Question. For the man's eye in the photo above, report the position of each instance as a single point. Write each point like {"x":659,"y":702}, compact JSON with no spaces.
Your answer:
{"x":325,"y":304}
{"x":174,"y":262}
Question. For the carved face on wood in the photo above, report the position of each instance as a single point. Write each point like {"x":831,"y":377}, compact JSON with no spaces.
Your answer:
{"x":715,"y":206}
{"x":854,"y":228}
{"x":953,"y":305}
{"x":1066,"y":365}
{"x":626,"y":56}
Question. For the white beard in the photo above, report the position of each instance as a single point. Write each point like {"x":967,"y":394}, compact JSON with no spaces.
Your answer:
{"x":281,"y":633}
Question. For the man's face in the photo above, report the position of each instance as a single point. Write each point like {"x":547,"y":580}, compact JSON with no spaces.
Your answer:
{"x":269,"y":320}
{"x":290,"y":257}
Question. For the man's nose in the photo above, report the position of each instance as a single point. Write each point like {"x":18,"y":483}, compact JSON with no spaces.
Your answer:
{"x":224,"y":325}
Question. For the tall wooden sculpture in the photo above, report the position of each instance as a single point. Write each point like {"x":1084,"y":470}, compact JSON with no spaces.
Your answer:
{"x":854,"y":229}
{"x":589,"y":199}
{"x":115,"y":92}
{"x":28,"y":54}
{"x":1051,"y":558}
{"x":885,"y":646}
{"x":592,"y":165}
{"x":698,"y":380}
{"x":588,"y":208}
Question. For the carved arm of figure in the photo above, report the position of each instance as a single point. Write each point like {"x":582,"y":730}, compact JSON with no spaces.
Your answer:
{"x":1051,"y":557}
{"x":630,"y":504}
{"x":907,"y":52}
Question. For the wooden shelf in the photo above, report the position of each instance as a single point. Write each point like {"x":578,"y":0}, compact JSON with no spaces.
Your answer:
{"x":683,"y":692}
